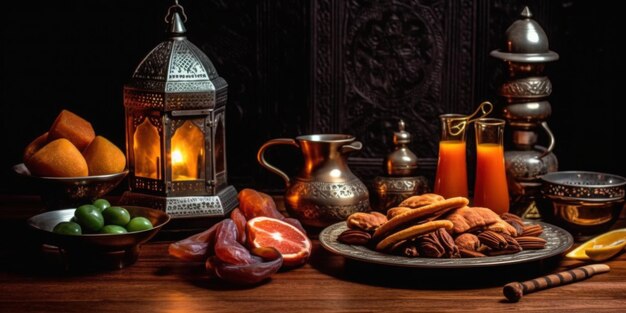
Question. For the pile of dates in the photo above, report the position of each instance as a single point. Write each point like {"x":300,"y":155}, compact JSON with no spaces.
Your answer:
{"x":228,"y":251}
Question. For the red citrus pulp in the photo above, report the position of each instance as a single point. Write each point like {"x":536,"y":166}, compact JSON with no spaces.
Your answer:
{"x":288,"y":240}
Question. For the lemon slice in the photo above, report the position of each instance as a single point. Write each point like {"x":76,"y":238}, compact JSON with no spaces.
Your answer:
{"x":601,"y":247}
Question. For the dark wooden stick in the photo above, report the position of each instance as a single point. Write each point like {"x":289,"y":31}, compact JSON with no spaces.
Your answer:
{"x":515,"y":290}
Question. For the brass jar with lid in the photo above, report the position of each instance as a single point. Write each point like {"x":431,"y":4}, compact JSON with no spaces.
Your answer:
{"x":401,"y":180}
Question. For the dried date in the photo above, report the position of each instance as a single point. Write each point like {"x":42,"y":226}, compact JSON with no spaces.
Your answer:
{"x":254,"y":203}
{"x":195,"y":248}
{"x":227,"y":248}
{"x":240,"y":222}
{"x":247,"y":274}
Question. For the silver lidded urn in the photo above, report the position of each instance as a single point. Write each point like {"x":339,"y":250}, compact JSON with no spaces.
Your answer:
{"x":401,"y":180}
{"x":527,"y":110}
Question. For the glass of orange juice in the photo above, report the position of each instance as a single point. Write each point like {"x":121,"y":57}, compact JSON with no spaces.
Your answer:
{"x":490,"y":188}
{"x":451,"y":177}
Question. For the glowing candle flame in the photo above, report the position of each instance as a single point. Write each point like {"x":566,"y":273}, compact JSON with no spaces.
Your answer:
{"x":177,"y":157}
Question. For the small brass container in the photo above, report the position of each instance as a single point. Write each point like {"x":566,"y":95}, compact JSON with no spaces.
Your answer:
{"x":401,"y":180}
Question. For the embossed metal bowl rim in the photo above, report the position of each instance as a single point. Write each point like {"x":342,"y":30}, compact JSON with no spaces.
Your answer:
{"x":568,"y":181}
{"x":553,"y":176}
{"x":558,"y":241}
{"x":584,"y":201}
{"x":44,"y":223}
{"x":22,"y":170}
{"x":326,"y":137}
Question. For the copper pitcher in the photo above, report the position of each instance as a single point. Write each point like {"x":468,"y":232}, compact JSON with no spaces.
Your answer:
{"x":325,"y":191}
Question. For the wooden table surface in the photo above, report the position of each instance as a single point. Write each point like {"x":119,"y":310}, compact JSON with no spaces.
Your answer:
{"x":32,"y":282}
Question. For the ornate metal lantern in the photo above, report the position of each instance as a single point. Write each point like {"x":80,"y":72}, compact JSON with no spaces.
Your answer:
{"x":176,"y":129}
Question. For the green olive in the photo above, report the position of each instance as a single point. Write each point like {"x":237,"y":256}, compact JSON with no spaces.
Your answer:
{"x":139,"y":223}
{"x":101,"y":204}
{"x":68,"y":228}
{"x":116,"y":215}
{"x":89,"y":217}
{"x":113,"y":229}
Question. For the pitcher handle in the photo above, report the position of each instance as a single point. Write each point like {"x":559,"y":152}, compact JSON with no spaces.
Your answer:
{"x":552,"y":140}
{"x":353,"y":146}
{"x":261,"y":156}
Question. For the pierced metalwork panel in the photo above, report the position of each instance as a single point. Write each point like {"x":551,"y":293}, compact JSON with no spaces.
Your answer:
{"x":142,"y":99}
{"x":190,"y":101}
{"x":183,"y":188}
{"x":147,"y":184}
{"x":154,"y":65}
{"x":177,"y":86}
{"x":185,"y":65}
{"x":186,"y":207}
{"x":204,"y":59}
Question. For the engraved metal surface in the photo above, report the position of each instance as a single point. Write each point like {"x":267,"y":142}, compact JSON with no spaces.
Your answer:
{"x":526,"y":165}
{"x":59,"y":192}
{"x":558,"y":241}
{"x":529,"y":87}
{"x":219,"y":205}
{"x":390,"y":191}
{"x":175,"y":75}
{"x":322,"y":203}
{"x":587,"y":186}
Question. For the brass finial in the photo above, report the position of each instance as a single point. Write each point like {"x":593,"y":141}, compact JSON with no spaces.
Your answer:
{"x":526,"y":13}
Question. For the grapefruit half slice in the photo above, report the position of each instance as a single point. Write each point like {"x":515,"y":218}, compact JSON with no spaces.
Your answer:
{"x":263,"y":232}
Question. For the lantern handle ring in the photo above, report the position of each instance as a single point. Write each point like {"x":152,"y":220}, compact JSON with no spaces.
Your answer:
{"x":174,"y":7}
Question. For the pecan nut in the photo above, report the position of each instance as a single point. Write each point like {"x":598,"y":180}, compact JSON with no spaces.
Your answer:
{"x":366,"y":221}
{"x":512,"y":246}
{"x":493,"y":240}
{"x":514,"y":221}
{"x":532,"y":231}
{"x":467,"y":241}
{"x":406,"y":248}
{"x":354,"y":237}
{"x":438,"y":244}
{"x":430,"y":247}
{"x":531,"y":243}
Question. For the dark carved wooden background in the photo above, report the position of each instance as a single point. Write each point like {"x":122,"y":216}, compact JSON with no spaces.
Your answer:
{"x":320,"y":66}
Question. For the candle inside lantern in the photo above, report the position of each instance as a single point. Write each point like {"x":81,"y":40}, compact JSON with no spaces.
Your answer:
{"x":187,"y":152}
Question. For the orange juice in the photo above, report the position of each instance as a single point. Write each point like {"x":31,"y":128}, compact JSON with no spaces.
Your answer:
{"x":451,"y":178}
{"x":491,"y":189}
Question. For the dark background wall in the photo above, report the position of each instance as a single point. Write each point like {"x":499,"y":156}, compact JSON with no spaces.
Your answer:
{"x":296,"y":67}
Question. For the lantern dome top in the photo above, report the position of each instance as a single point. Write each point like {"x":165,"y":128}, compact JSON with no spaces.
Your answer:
{"x":176,"y":59}
{"x":526,"y":41}
{"x":175,"y":65}
{"x":176,"y":74}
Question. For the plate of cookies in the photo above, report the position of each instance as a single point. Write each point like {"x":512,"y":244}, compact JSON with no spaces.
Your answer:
{"x":428,"y":231}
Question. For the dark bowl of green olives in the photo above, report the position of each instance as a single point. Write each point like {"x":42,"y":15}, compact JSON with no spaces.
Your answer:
{"x":66,"y":192}
{"x":106,"y":248}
